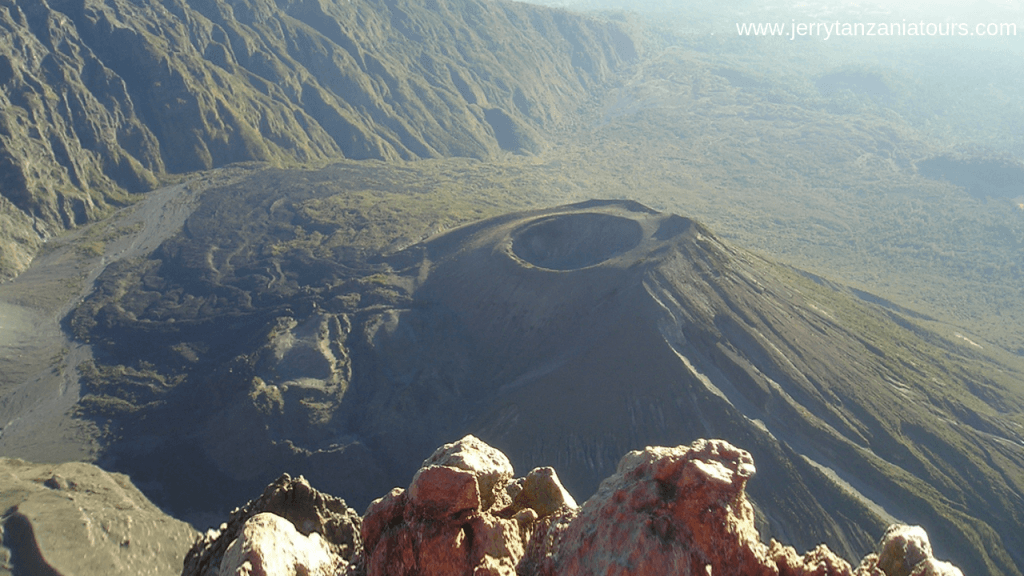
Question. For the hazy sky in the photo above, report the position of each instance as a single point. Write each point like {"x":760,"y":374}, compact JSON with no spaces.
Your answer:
{"x":939,"y":9}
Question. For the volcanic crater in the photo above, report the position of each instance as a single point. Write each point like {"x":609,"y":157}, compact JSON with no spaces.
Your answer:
{"x":574,"y":241}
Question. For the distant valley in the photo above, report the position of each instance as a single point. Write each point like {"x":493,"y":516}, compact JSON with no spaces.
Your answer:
{"x":102,"y":100}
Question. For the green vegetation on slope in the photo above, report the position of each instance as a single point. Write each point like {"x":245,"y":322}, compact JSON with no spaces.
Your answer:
{"x":100,"y":98}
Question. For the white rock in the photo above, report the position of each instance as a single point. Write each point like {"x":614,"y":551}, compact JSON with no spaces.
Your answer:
{"x":269,"y":545}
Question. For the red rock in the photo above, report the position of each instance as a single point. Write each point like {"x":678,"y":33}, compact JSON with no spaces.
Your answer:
{"x":491,"y":468}
{"x":671,"y":511}
{"x":674,"y":511}
{"x":438,"y":491}
{"x":447,"y":518}
{"x":383,"y":514}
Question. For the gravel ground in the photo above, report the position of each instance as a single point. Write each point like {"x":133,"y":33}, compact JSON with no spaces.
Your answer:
{"x":38,"y":360}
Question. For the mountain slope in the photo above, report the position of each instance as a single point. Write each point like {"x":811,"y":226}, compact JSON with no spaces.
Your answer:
{"x":680,"y":336}
{"x":75,"y":518}
{"x":561,"y":336}
{"x":100,"y":98}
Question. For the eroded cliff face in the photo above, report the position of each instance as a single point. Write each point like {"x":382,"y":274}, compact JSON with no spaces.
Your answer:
{"x":681,"y":510}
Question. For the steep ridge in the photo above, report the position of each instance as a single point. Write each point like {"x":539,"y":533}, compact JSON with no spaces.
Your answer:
{"x":563,"y":337}
{"x":100,"y":98}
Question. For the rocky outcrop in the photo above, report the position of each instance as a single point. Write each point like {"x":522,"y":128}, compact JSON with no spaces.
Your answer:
{"x":462,"y":514}
{"x":681,"y":510}
{"x":291,"y":525}
{"x":676,"y":510}
{"x":76,"y":519}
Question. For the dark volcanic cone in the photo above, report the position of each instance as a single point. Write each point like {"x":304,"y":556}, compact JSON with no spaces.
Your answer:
{"x":608,"y":327}
{"x":603,"y":327}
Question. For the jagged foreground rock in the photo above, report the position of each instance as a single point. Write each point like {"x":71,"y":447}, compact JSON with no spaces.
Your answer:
{"x":681,"y":510}
{"x":318,"y":532}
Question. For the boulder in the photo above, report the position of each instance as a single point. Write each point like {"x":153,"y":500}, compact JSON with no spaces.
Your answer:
{"x":490,"y":467}
{"x":902,"y":548}
{"x":269,"y":545}
{"x":905,"y":551}
{"x":543,"y":493}
{"x":442,"y":491}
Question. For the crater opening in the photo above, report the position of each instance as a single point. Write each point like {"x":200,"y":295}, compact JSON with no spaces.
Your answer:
{"x":573,"y":241}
